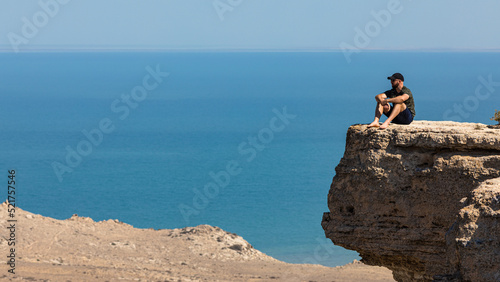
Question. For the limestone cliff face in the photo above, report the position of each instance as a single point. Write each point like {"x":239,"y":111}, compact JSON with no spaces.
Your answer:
{"x":422,"y":200}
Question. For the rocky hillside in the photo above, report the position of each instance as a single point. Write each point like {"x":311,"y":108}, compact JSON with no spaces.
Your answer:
{"x":80,"y":249}
{"x":422,"y":200}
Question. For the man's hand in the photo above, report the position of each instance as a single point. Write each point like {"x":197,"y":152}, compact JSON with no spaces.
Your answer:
{"x":384,"y":102}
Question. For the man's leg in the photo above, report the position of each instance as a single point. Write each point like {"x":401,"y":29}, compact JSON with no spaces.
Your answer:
{"x":397,"y":109}
{"x":379,"y":109}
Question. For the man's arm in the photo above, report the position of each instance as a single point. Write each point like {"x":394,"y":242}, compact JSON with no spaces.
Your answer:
{"x":398,"y":100}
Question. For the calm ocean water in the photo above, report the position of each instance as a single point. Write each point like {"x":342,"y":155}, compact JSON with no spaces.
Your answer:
{"x":210,"y":143}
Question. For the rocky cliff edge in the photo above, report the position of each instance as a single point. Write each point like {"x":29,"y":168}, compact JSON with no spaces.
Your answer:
{"x":422,"y":200}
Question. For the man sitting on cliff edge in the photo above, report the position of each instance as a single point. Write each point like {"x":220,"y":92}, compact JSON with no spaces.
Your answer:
{"x":403,"y":106}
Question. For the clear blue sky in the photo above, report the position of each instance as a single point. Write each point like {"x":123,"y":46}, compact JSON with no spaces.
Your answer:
{"x":247,"y":24}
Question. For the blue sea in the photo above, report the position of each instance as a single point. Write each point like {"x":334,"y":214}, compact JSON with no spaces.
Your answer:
{"x":244,"y":141}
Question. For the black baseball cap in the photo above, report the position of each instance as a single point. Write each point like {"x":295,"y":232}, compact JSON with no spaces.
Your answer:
{"x":396,"y":76}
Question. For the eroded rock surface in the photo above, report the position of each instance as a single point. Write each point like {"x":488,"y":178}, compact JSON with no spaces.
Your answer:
{"x":422,"y":200}
{"x":80,"y":249}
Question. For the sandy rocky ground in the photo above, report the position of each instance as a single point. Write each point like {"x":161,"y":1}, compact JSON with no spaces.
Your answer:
{"x":80,"y":249}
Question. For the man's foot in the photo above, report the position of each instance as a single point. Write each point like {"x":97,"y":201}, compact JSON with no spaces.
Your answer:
{"x":384,"y":125}
{"x":374,"y":124}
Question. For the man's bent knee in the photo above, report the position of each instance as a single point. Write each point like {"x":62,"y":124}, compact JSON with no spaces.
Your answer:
{"x":380,"y":97}
{"x":399,"y":106}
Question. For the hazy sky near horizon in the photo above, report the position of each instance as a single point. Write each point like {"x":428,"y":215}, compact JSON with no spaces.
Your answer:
{"x":249,"y":24}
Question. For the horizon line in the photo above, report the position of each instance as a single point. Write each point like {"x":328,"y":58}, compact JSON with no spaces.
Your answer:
{"x":153,"y":49}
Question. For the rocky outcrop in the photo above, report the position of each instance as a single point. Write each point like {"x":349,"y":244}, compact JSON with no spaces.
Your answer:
{"x":422,"y":200}
{"x":80,"y":249}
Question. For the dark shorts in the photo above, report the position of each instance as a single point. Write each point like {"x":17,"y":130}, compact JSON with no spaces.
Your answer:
{"x":405,"y":117}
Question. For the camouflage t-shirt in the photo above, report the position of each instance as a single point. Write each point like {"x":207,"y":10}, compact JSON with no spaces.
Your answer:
{"x":410,"y":104}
